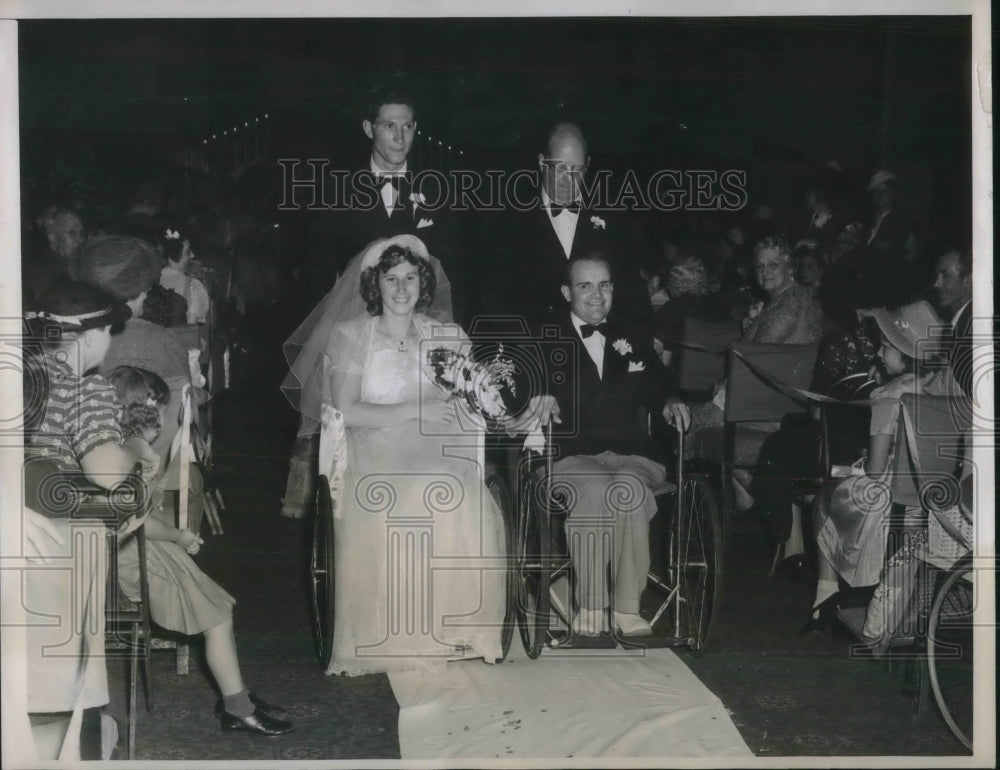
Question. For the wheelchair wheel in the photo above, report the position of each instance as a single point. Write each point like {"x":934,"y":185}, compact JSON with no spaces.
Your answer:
{"x":696,"y":561}
{"x":949,"y":649}
{"x":501,"y":495}
{"x":532,"y":566}
{"x":322,"y":573}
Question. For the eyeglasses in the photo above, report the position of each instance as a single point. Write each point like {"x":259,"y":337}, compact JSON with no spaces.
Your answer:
{"x":560,"y":167}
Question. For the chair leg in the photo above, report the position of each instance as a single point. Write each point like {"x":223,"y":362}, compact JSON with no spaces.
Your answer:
{"x":133,"y":676}
{"x":147,"y":671}
{"x":183,"y":659}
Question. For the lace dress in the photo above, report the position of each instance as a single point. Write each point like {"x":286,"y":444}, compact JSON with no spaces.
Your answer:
{"x":419,"y":541}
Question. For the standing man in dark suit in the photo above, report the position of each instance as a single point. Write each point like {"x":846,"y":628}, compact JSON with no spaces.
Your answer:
{"x":535,"y":242}
{"x":594,"y":398}
{"x":382,"y":200}
{"x":953,"y":290}
{"x":889,"y":230}
{"x":387,"y":198}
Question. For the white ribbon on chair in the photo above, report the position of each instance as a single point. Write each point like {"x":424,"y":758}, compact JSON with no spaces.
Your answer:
{"x":333,"y":454}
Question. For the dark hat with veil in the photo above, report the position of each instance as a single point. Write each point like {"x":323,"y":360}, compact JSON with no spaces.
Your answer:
{"x":306,"y":348}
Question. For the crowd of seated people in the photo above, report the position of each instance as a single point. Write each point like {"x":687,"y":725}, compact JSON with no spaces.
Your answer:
{"x":849,"y":259}
{"x":119,"y":332}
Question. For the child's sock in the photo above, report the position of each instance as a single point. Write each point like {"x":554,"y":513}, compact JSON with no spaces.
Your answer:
{"x":238,"y":704}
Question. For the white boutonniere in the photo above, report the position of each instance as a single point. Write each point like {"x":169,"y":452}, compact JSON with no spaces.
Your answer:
{"x":417,"y":199}
{"x":822,"y":218}
{"x":622,"y":346}
{"x":636,"y":366}
{"x":599,"y":223}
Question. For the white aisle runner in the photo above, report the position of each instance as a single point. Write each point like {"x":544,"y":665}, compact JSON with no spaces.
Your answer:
{"x":575,"y":703}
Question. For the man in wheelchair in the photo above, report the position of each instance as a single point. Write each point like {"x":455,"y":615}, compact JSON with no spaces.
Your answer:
{"x":605,"y":483}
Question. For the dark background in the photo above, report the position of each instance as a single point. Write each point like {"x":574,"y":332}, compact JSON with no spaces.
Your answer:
{"x":107,"y":106}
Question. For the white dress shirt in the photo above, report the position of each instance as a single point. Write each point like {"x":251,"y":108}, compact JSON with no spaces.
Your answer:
{"x":954,"y":318}
{"x":878,"y":223}
{"x":389,"y":193}
{"x":594,"y":343}
{"x":564,"y":224}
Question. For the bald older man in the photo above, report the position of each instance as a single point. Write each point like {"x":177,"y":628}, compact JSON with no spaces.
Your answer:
{"x":64,"y":235}
{"x":542,"y":229}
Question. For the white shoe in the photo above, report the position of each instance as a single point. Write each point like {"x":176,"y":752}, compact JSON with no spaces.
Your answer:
{"x":632,"y":625}
{"x":109,"y":736}
{"x":590,"y":622}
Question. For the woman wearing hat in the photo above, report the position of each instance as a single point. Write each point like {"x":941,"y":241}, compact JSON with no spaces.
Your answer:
{"x":850,"y":514}
{"x":80,"y":431}
{"x":127,"y":268}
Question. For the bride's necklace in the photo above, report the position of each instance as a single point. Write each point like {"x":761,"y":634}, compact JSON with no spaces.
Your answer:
{"x":400,"y":345}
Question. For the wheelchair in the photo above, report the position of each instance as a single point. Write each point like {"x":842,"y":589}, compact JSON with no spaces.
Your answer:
{"x":685,"y":575}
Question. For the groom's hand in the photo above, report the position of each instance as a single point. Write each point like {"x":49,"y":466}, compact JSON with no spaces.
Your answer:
{"x":545,"y":408}
{"x":676,"y":413}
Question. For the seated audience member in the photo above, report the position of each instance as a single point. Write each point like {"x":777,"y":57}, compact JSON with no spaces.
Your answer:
{"x":810,"y":264}
{"x":687,"y":285}
{"x":81,"y":432}
{"x":824,"y":216}
{"x":127,"y":268}
{"x":594,"y":399}
{"x":953,"y":296}
{"x":790,"y":315}
{"x":164,"y":307}
{"x":65,"y":666}
{"x":849,"y":517}
{"x":177,"y":250}
{"x":655,"y":276}
{"x":64,"y":234}
{"x":889,"y":229}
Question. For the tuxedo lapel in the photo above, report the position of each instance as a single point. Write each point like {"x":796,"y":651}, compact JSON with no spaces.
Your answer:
{"x":615,"y":364}
{"x":586,"y":376}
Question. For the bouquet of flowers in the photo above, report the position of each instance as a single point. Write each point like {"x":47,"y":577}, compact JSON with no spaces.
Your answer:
{"x":480,"y":384}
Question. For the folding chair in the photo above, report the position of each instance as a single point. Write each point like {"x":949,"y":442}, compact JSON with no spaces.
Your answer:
{"x":127,"y":622}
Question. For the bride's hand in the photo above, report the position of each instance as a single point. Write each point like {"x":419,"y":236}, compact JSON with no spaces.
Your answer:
{"x":437,"y":411}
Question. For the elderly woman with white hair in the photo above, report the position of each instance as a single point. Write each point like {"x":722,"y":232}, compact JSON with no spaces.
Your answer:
{"x":790,"y":315}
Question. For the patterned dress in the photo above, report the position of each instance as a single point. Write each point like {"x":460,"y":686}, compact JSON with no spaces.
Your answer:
{"x":80,"y":415}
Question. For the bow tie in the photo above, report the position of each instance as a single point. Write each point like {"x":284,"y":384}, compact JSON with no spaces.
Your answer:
{"x":382,"y":181}
{"x":587,"y":329}
{"x":556,"y":209}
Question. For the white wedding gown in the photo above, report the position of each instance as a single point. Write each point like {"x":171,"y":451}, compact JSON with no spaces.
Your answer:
{"x":419,"y":542}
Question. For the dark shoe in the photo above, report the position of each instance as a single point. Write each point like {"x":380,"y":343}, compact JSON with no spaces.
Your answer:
{"x":821,"y":615}
{"x":790,"y":567}
{"x":275,"y":712}
{"x":258,"y":722}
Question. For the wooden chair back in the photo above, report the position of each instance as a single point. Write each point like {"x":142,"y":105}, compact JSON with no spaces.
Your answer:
{"x":751,"y":397}
{"x":699,"y":370}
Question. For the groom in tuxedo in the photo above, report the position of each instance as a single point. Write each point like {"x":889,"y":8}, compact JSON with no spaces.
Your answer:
{"x":536,"y":237}
{"x":594,"y":399}
{"x":386,"y":198}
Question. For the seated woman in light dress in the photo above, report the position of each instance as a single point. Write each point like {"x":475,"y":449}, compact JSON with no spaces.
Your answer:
{"x":419,"y":541}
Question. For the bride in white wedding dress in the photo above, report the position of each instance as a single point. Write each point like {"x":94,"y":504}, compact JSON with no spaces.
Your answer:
{"x":419,"y":540}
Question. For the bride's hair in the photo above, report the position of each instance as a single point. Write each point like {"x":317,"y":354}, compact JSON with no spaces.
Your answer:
{"x":391,"y":257}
